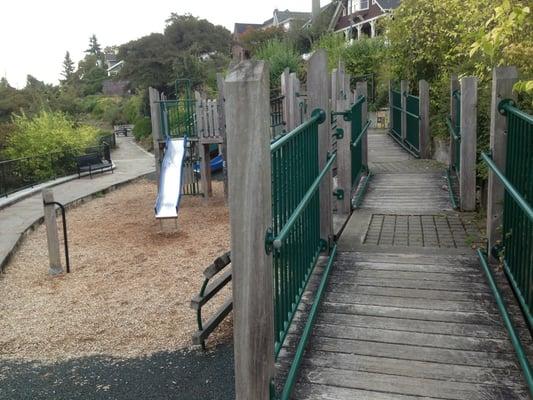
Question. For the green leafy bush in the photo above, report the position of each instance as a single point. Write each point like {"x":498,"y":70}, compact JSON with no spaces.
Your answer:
{"x":52,"y":136}
{"x":142,"y":128}
{"x":280,"y":55}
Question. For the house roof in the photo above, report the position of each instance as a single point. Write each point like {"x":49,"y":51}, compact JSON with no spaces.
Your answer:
{"x":240,"y":28}
{"x":115,"y":66}
{"x":285,"y":15}
{"x":388,"y":4}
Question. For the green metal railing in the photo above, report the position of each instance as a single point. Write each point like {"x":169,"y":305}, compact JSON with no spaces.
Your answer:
{"x":452,"y":172}
{"x":294,"y":238}
{"x":277,"y":120}
{"x":410,"y":139}
{"x":178,"y":119}
{"x":396,"y":114}
{"x":359,"y":129}
{"x":516,"y":249}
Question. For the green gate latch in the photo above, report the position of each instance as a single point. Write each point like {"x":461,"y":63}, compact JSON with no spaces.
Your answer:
{"x":339,"y":194}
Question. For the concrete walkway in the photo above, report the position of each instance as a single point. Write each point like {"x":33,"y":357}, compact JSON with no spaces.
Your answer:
{"x":131,"y":162}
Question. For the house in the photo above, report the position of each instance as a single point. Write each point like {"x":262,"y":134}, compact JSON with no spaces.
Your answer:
{"x":113,"y":65}
{"x":358,"y":18}
{"x":284,"y":19}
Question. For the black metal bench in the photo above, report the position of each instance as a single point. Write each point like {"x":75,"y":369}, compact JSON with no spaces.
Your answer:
{"x":93,"y":162}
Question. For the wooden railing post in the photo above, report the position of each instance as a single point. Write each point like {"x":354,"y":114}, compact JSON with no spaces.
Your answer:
{"x":344,"y":154}
{"x":404,"y":91}
{"x":362,"y":90}
{"x":285,"y":76}
{"x":293,"y":119}
{"x":249,"y":168}
{"x":318,"y":87}
{"x":155,"y":117}
{"x":222,"y":125}
{"x":454,"y":85}
{"x":503,"y":80}
{"x":52,"y":236}
{"x":467,"y":179}
{"x":424,"y":139}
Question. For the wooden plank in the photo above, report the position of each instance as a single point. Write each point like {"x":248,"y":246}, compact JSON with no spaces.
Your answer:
{"x":329,"y":316}
{"x":418,"y":275}
{"x":416,"y":314}
{"x":311,"y":391}
{"x":410,"y":352}
{"x":413,"y":338}
{"x":467,"y":179}
{"x":211,"y":324}
{"x":211,"y":290}
{"x":472,"y":269}
{"x":410,"y":368}
{"x":410,"y":386}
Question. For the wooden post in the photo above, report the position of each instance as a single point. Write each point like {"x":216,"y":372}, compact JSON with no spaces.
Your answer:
{"x":362,"y":90}
{"x":222,"y":125}
{"x":318,"y":87}
{"x":155,"y":117}
{"x":467,"y":178}
{"x":424,"y":139}
{"x":344,"y":153}
{"x":404,"y":90}
{"x":52,"y":236}
{"x":454,"y":85}
{"x":285,"y":76}
{"x":293,"y":119}
{"x":248,"y":129}
{"x":503,"y":80}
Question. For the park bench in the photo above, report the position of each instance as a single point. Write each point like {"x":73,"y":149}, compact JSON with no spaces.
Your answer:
{"x":209,"y":289}
{"x":93,"y":162}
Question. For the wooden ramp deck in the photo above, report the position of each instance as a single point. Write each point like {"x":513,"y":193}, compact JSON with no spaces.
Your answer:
{"x":407,"y":312}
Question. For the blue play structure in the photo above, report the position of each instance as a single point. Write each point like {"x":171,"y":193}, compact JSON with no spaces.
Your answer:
{"x":216,"y":164}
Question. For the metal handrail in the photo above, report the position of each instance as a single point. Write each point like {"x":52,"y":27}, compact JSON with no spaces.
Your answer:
{"x":318,"y":115}
{"x":453,"y":131}
{"x":363,"y":131}
{"x":508,"y":105}
{"x":522,"y":202}
{"x":277,"y":242}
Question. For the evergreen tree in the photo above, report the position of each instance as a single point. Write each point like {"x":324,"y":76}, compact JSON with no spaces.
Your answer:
{"x":68,"y":67}
{"x":94,"y":46}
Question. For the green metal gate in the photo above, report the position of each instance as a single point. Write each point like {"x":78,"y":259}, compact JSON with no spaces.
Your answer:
{"x":294,"y":238}
{"x":515,"y":252}
{"x":358,"y":130}
{"x":413,"y":122}
{"x":396,"y":114}
{"x":410,"y":139}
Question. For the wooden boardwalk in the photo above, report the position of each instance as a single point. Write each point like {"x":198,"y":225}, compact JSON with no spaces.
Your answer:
{"x":407,"y":312}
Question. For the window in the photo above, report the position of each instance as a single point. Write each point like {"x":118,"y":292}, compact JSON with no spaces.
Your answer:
{"x":359,"y":5}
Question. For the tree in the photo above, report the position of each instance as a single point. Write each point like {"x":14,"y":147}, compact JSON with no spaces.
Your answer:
{"x":68,"y":67}
{"x":94,"y":46}
{"x":253,"y":39}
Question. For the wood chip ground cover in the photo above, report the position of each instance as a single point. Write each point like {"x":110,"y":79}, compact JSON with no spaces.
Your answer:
{"x":130,"y":288}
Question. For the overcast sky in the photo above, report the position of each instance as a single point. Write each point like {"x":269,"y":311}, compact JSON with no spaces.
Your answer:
{"x":35,"y":34}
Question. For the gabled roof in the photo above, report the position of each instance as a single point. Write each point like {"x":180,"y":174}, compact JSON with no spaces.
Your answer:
{"x":285,"y":15}
{"x":388,"y":4}
{"x":115,"y":66}
{"x":240,"y":28}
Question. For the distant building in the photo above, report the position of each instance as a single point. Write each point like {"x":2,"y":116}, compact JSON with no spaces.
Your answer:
{"x":284,"y":19}
{"x":116,"y":88}
{"x":358,"y":18}
{"x":112,"y":63}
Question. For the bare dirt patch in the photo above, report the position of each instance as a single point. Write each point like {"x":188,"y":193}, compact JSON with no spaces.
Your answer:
{"x":130,"y":287}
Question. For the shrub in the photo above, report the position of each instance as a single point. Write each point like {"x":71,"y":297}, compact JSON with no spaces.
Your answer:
{"x":280,"y":55}
{"x":142,"y":128}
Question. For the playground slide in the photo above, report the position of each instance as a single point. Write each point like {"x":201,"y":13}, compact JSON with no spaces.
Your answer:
{"x":170,"y":183}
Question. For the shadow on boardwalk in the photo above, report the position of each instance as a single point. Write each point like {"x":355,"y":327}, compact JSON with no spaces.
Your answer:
{"x":165,"y":375}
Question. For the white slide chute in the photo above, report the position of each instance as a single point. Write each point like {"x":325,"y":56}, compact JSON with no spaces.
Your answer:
{"x":170,"y":182}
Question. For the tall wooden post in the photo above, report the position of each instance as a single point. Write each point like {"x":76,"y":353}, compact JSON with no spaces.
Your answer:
{"x":467,"y":179}
{"x":424,"y":139}
{"x":503,"y":80}
{"x":362,"y":90}
{"x":454,"y":86}
{"x":155,"y":117}
{"x":222,"y":125}
{"x":52,"y":236}
{"x":294,"y":105}
{"x":404,"y":90}
{"x":344,"y":152}
{"x":318,"y":87}
{"x":285,"y":76}
{"x":249,"y":168}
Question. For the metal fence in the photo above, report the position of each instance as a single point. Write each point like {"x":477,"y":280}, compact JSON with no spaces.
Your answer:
{"x":396,"y":114}
{"x":454,"y":129}
{"x":413,"y":125}
{"x":178,"y":118}
{"x":516,"y":250}
{"x":277,"y":120}
{"x":410,"y":139}
{"x":22,"y":173}
{"x":359,"y":129}
{"x":294,"y":238}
